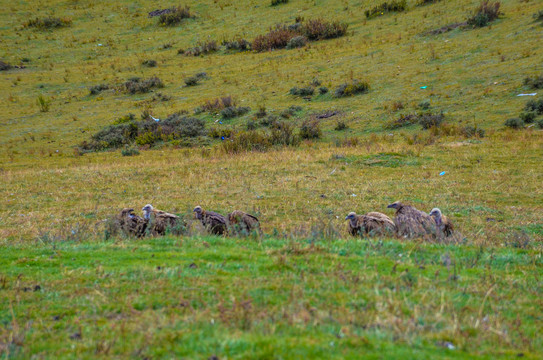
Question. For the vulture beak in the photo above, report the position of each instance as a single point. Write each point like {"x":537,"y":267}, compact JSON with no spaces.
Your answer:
{"x":347,"y":217}
{"x":391,"y":206}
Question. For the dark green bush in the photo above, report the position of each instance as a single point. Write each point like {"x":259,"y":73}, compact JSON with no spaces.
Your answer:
{"x":48,"y":23}
{"x":233,"y":111}
{"x":175,"y":16}
{"x":237,"y":44}
{"x":310,"y":129}
{"x":341,"y":125}
{"x":297,"y":42}
{"x":306,"y":91}
{"x":352,"y":88}
{"x":269,"y":121}
{"x":278,"y":2}
{"x":535,"y":82}
{"x":97,"y":89}
{"x":124,"y":119}
{"x":251,"y":125}
{"x":4,"y":66}
{"x":403,"y":120}
{"x":192,"y":81}
{"x":202,"y":49}
{"x":485,"y":13}
{"x":514,"y":123}
{"x":430,"y":120}
{"x":538,"y":16}
{"x":535,"y":106}
{"x":137,"y":85}
{"x":426,"y":2}
{"x":220,"y":132}
{"x":282,"y":133}
{"x":291,"y":111}
{"x":386,"y":7}
{"x":129,"y":151}
{"x":540,"y":124}
{"x":528,"y":117}
{"x":149,"y":63}
{"x":323,"y":90}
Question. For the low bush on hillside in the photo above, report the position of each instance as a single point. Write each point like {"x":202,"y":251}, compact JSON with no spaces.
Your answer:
{"x":485,"y":13}
{"x":47,"y":23}
{"x":234,"y":111}
{"x":310,"y":129}
{"x":402,"y":121}
{"x":528,"y":116}
{"x":195,"y":79}
{"x":4,"y":66}
{"x":129,"y":151}
{"x":429,"y":120}
{"x":216,"y":105}
{"x":540,"y":124}
{"x":472,"y":131}
{"x":514,"y":123}
{"x":323,"y":90}
{"x":535,"y":82}
{"x":305,"y":91}
{"x":269,"y":121}
{"x":97,"y":89}
{"x":386,"y":7}
{"x":426,"y":2}
{"x":137,"y":85}
{"x":149,"y":63}
{"x":279,"y":134}
{"x":238,"y":44}
{"x":538,"y":16}
{"x":203,"y":48}
{"x":296,"y":35}
{"x":127,"y":131}
{"x":174,"y":16}
{"x":341,"y":125}
{"x":290,"y":111}
{"x":278,"y":2}
{"x":352,"y":88}
{"x":535,"y":106}
{"x":220,"y":132}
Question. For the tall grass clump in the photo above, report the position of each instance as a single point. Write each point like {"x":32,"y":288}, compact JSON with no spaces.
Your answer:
{"x":352,"y":88}
{"x":175,"y":16}
{"x":278,"y":2}
{"x":311,"y":129}
{"x":43,"y":103}
{"x":485,"y":13}
{"x":386,"y":7}
{"x":137,"y":85}
{"x":47,"y":23}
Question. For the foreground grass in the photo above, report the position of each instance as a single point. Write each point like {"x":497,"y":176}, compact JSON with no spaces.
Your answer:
{"x":244,"y":298}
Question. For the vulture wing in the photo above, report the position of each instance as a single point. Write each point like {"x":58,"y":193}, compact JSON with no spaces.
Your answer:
{"x":215,"y":223}
{"x":412,"y":223}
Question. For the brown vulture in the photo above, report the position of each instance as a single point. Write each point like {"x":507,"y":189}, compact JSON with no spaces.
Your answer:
{"x":161,"y":221}
{"x":242,"y":223}
{"x":412,"y":223}
{"x":131,"y":224}
{"x":213,"y":222}
{"x":371,"y":224}
{"x":444,"y":225}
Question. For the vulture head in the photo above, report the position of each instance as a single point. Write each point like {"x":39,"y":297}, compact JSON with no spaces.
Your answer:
{"x":350,"y":216}
{"x":198,"y":211}
{"x":436,"y":214}
{"x":147,"y":209}
{"x":395,"y":205}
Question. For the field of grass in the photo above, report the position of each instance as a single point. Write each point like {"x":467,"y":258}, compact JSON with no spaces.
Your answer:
{"x":69,"y":290}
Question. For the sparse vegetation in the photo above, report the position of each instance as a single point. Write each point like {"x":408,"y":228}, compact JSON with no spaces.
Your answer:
{"x":310,"y":129}
{"x":233,"y":111}
{"x":305,"y":91}
{"x":429,"y":120}
{"x":486,"y":12}
{"x":278,"y":2}
{"x":97,"y":89}
{"x":297,"y":42}
{"x":535,"y":82}
{"x":238,"y":44}
{"x":4,"y":66}
{"x":129,"y":151}
{"x":137,"y":85}
{"x":514,"y":123}
{"x":43,"y":103}
{"x":149,"y":63}
{"x":352,"y":88}
{"x":402,"y":121}
{"x":175,"y":16}
{"x":48,"y":23}
{"x":386,"y":7}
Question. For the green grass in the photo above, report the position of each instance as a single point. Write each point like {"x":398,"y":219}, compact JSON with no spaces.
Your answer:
{"x":242,"y":298}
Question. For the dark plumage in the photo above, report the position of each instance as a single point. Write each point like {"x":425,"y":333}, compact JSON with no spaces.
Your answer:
{"x":444,"y":225}
{"x":131,"y":224}
{"x":371,"y":224}
{"x":161,"y":221}
{"x":213,"y":222}
{"x":412,"y":223}
{"x":242,"y":223}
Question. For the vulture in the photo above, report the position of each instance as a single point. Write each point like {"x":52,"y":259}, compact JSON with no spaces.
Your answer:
{"x":213,"y":222}
{"x":371,"y":224}
{"x":412,"y":223}
{"x":243,"y":223}
{"x":444,"y":225}
{"x":160,"y":221}
{"x":131,"y":224}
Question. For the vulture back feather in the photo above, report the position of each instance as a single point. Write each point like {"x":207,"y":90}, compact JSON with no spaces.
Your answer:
{"x":213,"y":222}
{"x":160,"y":222}
{"x":412,"y":223}
{"x":131,"y":224}
{"x":370,"y":224}
{"x":242,"y":223}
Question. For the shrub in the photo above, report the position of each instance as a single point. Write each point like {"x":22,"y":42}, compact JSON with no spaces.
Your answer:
{"x":282,"y":133}
{"x":540,"y":124}
{"x":386,"y":7}
{"x":528,"y":117}
{"x":237,"y":44}
{"x":297,"y":42}
{"x":485,"y":13}
{"x":220,"y":133}
{"x":426,"y":2}
{"x":48,"y":23}
{"x":192,"y":80}
{"x":424,"y":105}
{"x":4,"y":66}
{"x":149,"y":63}
{"x":277,"y":38}
{"x":310,"y":129}
{"x":538,"y":16}
{"x":261,"y":111}
{"x":269,"y":121}
{"x":218,"y":104}
{"x":472,"y":131}
{"x":319,"y":29}
{"x":43,"y":103}
{"x":291,"y":111}
{"x":97,"y":89}
{"x":202,"y":49}
{"x":349,"y":89}
{"x":124,"y":119}
{"x":534,"y":106}
{"x":535,"y":83}
{"x":244,"y":141}
{"x":278,"y":2}
{"x":323,"y":90}
{"x":129,"y":151}
{"x":430,"y":120}
{"x":306,"y":91}
{"x":341,"y":125}
{"x":232,"y":112}
{"x":251,"y":125}
{"x":137,"y":85}
{"x":175,"y":16}
{"x":403,"y":120}
{"x":514,"y":123}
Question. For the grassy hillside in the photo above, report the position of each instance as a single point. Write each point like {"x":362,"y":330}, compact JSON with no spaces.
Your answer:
{"x":243,"y":299}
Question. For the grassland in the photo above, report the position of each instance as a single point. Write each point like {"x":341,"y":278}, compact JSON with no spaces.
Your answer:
{"x":67,"y":290}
